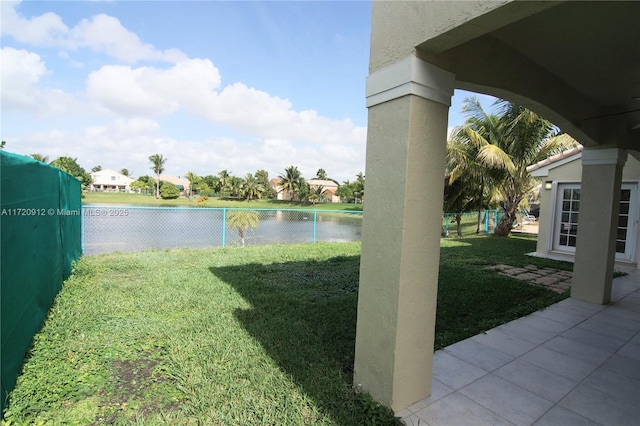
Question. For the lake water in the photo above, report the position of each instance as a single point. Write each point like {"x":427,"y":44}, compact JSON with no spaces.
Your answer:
{"x":133,"y":228}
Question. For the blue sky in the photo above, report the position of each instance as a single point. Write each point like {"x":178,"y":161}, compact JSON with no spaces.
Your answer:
{"x":210,"y":85}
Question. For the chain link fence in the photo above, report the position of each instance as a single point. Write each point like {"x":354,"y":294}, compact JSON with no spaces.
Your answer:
{"x":467,"y":223}
{"x":133,"y":228}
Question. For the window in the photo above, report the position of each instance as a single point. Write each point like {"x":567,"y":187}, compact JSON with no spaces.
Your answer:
{"x":569,"y":212}
{"x":623,"y":221}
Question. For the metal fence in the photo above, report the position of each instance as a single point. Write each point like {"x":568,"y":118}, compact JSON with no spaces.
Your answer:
{"x":469,"y":222}
{"x":135,"y":228}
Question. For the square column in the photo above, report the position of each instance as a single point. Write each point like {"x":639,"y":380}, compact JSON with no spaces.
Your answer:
{"x":597,"y":224}
{"x":406,"y":147}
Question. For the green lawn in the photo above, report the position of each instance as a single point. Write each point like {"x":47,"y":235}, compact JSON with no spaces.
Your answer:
{"x":150,"y":200}
{"x":235,"y":336}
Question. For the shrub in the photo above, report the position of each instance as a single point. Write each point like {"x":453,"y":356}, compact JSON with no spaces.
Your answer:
{"x":169,"y":191}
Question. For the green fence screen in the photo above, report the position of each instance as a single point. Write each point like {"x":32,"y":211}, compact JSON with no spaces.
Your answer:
{"x":41,"y":231}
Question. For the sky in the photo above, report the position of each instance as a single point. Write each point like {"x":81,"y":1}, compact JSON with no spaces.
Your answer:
{"x":211,"y":85}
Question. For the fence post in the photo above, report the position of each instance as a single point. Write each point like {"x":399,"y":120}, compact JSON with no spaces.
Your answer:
{"x":486,"y":221}
{"x":315,"y":221}
{"x":224,"y":226}
{"x":82,"y":219}
{"x":446,"y":224}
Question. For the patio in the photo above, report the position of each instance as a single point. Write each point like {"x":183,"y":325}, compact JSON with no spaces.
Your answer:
{"x":575,"y":363}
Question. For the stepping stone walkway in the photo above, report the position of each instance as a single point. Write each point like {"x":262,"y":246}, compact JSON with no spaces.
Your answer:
{"x":554,"y":279}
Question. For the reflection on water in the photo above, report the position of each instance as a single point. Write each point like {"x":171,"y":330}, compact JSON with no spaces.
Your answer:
{"x":133,"y":228}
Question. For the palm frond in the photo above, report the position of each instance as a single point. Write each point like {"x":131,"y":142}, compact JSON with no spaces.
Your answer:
{"x":494,"y":157}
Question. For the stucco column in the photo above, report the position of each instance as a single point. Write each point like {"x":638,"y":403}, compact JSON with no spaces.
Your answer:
{"x":597,"y":224}
{"x":406,"y":145}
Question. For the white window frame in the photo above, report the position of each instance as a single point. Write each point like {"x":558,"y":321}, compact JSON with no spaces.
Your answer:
{"x":632,"y":226}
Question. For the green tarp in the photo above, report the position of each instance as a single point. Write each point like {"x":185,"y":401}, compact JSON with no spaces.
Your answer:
{"x":41,"y":237}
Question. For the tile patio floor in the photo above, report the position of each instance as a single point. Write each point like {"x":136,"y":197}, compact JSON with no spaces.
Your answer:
{"x":574,"y":363}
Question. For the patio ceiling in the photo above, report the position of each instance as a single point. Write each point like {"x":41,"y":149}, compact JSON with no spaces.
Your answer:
{"x":576,"y":63}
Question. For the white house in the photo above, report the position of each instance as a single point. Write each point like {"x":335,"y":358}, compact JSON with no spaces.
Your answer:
{"x":110,"y":180}
{"x":560,"y":196}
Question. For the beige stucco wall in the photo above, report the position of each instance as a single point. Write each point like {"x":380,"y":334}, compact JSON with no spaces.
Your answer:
{"x":572,"y":173}
{"x":415,"y":22}
{"x":400,"y":250}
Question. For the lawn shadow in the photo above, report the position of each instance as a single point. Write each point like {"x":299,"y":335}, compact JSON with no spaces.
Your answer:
{"x":304,"y":316}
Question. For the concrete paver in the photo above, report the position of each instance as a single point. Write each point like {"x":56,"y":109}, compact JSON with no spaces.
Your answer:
{"x":573,"y":363}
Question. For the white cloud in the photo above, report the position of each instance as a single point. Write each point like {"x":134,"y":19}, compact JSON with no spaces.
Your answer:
{"x":101,"y":33}
{"x":44,"y":30}
{"x":149,"y":91}
{"x":194,"y":86}
{"x":20,"y":74}
{"x":276,"y":135}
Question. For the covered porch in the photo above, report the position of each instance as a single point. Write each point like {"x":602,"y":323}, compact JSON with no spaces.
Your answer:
{"x":575,"y":363}
{"x":576,"y":64}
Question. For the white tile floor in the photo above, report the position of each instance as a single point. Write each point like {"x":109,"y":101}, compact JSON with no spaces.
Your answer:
{"x":574,"y":363}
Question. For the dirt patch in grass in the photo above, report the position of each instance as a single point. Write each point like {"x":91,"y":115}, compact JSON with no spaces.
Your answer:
{"x":135,"y":389}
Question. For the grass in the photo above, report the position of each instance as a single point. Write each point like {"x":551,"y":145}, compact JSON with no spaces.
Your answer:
{"x":260,"y":335}
{"x":150,"y":200}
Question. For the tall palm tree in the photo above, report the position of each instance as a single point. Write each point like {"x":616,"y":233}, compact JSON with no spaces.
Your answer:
{"x":528,"y":139}
{"x":481,"y":131}
{"x":504,"y":146}
{"x":191,"y":177}
{"x":40,"y":157}
{"x":157,"y":165}
{"x":290,"y":181}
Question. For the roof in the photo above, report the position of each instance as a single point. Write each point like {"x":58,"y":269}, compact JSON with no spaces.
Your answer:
{"x":541,"y":168}
{"x":322,"y":182}
{"x":176,"y":180}
{"x":103,"y":177}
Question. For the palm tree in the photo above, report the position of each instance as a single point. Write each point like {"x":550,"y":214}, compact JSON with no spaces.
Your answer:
{"x":40,"y":157}
{"x":157,"y":161}
{"x":504,"y":146}
{"x":316,"y":194}
{"x":191,"y":177}
{"x":290,"y":181}
{"x":242,"y":220}
{"x":126,"y":172}
{"x":251,"y":187}
{"x":224,"y":181}
{"x":96,"y":168}
{"x":528,"y":139}
{"x":321,"y":174}
{"x":480,"y":131}
{"x":235,"y":186}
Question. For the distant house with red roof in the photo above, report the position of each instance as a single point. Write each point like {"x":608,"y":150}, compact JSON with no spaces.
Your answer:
{"x":329,"y":189}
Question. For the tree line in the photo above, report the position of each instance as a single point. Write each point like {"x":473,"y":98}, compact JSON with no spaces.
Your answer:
{"x":252,"y":186}
{"x":224,"y":184}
